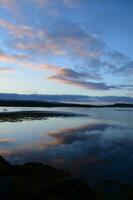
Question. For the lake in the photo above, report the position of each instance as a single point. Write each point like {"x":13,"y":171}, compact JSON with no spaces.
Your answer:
{"x":95,"y":147}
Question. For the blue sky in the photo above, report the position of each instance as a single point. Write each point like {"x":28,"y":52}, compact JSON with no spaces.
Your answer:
{"x":66,"y":47}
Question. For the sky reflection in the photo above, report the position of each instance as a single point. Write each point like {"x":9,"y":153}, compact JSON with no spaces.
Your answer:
{"x":94,"y":150}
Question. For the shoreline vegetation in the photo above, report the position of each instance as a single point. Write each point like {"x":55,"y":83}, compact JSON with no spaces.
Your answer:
{"x":38,"y":181}
{"x":26,"y":103}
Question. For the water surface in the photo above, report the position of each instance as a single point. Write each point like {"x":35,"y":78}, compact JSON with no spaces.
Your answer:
{"x":96,"y":147}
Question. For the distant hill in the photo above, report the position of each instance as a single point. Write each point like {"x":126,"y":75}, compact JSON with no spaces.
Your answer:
{"x":16,"y":103}
{"x":67,"y":98}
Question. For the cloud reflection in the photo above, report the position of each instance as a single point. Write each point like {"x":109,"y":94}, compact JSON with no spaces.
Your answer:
{"x":94,"y":151}
{"x":6,"y":141}
{"x":79,"y":135}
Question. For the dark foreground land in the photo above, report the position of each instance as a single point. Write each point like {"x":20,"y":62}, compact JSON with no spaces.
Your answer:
{"x":19,"y":103}
{"x":36,"y":181}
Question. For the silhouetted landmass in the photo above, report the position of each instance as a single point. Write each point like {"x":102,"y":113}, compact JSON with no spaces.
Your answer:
{"x":15,"y":103}
{"x":65,"y":98}
{"x":35,"y":181}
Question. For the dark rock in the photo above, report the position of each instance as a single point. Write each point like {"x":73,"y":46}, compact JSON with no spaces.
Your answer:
{"x":40,"y":182}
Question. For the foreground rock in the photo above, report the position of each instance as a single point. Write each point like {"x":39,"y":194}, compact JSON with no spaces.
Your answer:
{"x":36,"y":181}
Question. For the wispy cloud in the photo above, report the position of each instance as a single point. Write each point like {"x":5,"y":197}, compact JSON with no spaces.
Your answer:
{"x":12,"y":58}
{"x":43,"y":2}
{"x":62,"y":44}
{"x":68,"y":40}
{"x":72,"y":3}
{"x":17,"y":31}
{"x":5,"y":57}
{"x":6,"y":69}
{"x":10,"y":5}
{"x":71,"y":77}
{"x":85,"y":84}
{"x":66,"y":3}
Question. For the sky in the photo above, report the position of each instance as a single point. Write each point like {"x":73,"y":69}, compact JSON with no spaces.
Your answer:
{"x":75,"y":47}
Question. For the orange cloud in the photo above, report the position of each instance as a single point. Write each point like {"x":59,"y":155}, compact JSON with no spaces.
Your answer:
{"x":5,"y":58}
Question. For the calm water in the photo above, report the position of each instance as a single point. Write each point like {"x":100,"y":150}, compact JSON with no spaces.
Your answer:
{"x":96,"y":147}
